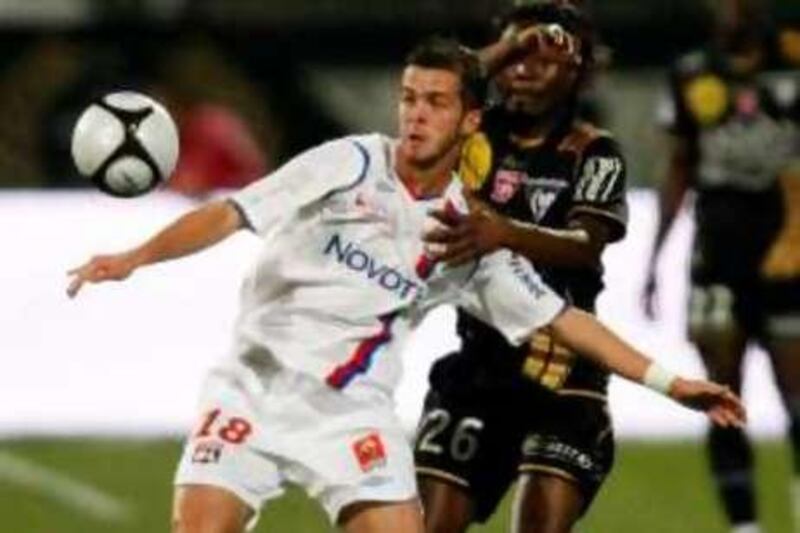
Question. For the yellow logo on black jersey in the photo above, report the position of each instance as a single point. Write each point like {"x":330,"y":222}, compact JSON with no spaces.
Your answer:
{"x":476,"y":161}
{"x":706,"y":98}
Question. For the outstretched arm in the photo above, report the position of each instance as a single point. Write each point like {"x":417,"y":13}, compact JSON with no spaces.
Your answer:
{"x":191,"y":233}
{"x":585,"y":335}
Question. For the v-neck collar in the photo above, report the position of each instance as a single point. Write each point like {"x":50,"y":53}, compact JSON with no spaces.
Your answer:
{"x":408,"y":189}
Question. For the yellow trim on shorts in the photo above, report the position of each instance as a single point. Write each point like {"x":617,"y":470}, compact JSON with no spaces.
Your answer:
{"x":441,"y":474}
{"x":553,"y":471}
{"x":592,"y":395}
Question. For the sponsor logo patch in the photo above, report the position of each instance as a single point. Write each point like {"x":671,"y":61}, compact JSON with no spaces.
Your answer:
{"x":369,"y":206}
{"x":707,"y":99}
{"x":506,"y":183}
{"x":552,"y":449}
{"x":369,"y":452}
{"x":358,"y":260}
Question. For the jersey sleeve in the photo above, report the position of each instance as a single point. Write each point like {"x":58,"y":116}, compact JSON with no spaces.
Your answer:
{"x":507,"y":293}
{"x":601,"y":186}
{"x":309,"y":177}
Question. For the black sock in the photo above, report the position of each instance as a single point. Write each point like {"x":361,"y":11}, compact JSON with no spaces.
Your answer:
{"x":732,"y":465}
{"x":794,"y":440}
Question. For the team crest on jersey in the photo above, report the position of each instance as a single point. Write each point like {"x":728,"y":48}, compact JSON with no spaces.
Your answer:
{"x":540,"y":203}
{"x":207,"y":452}
{"x":370,"y":452}
{"x":542,"y":194}
{"x":506,"y":184}
{"x":369,"y":206}
{"x":707,"y":98}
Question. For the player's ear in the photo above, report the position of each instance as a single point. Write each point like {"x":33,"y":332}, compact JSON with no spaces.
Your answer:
{"x":471,"y":122}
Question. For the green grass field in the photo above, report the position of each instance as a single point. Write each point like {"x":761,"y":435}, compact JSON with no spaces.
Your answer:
{"x":656,"y":488}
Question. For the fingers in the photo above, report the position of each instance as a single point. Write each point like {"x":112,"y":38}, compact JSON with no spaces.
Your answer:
{"x":459,"y":254}
{"x":97,"y":270}
{"x":445,"y":235}
{"x":717,"y":417}
{"x":443,"y":216}
{"x":529,"y":36}
{"x":550,"y":41}
{"x":736,"y":407}
{"x":720,"y":404}
{"x":80,"y":275}
{"x":726,"y":417}
{"x":725,"y":408}
{"x":453,"y":253}
{"x":74,"y":286}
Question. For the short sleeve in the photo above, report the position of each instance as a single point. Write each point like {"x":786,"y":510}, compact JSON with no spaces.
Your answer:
{"x":309,"y":177}
{"x":507,"y":293}
{"x":601,"y":186}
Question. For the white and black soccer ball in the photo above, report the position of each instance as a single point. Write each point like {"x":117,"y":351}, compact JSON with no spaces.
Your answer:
{"x":126,"y":143}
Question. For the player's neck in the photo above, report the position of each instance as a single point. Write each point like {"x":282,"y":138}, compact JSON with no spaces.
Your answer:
{"x":426,"y":180}
{"x":530,"y":131}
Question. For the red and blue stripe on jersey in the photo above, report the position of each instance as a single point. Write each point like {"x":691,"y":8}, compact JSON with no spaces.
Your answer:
{"x":362,"y":358}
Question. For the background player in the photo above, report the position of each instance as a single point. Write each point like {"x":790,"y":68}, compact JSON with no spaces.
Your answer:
{"x":734,"y":130}
{"x":557,"y":189}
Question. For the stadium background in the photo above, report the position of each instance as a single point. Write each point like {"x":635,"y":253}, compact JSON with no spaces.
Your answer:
{"x":95,"y":394}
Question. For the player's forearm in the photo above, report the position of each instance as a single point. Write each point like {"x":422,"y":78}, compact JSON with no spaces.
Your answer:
{"x":552,"y":247}
{"x":194,"y":231}
{"x":671,"y":195}
{"x":669,"y":203}
{"x":588,"y":337}
{"x":494,"y":56}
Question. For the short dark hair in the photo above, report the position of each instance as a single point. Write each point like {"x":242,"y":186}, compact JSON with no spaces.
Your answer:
{"x":573,"y":19}
{"x":448,"y":54}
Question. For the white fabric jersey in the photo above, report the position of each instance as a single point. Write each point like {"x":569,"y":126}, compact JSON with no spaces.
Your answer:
{"x":342,"y":278}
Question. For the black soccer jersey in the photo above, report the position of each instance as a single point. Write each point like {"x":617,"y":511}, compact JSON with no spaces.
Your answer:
{"x":741,"y":131}
{"x":743,"y":128}
{"x":577,"y":171}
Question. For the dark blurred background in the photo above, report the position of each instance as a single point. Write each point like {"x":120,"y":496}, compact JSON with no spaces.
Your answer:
{"x":271,"y":77}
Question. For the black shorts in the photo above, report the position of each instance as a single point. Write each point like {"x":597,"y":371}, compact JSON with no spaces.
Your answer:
{"x":763,"y":309}
{"x":745,"y":270}
{"x":483,"y":443}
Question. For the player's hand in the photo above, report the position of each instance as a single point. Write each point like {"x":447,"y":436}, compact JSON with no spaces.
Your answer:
{"x":101,"y":268}
{"x":457,"y":240}
{"x":549,"y":42}
{"x":721,"y":405}
{"x":650,"y":296}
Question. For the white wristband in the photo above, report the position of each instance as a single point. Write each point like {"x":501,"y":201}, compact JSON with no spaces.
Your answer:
{"x":658,"y":378}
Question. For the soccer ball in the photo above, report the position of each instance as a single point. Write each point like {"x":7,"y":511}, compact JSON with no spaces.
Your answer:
{"x":126,"y":143}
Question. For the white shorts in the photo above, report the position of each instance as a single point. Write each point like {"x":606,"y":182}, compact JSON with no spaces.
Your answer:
{"x":255,"y":434}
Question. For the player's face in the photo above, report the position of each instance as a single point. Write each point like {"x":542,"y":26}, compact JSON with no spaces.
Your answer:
{"x":533,"y":83}
{"x":433,"y":119}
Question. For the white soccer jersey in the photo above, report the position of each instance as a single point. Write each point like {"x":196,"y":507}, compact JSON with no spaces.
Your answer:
{"x":342,"y":277}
